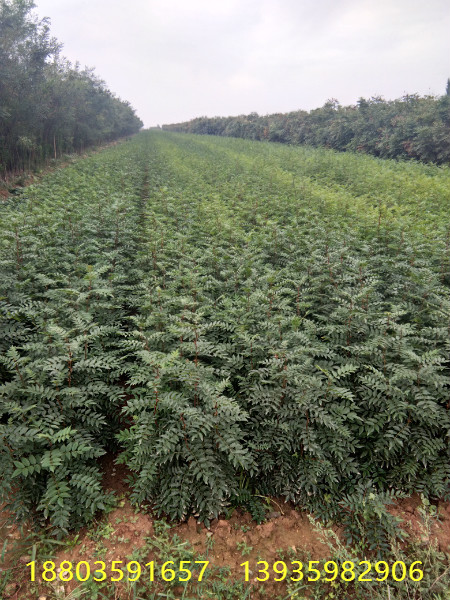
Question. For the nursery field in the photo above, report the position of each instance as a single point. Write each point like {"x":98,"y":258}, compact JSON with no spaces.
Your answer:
{"x":229,"y":321}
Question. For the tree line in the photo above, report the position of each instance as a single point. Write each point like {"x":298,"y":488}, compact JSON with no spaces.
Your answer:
{"x":413,"y":126}
{"x":48,"y":106}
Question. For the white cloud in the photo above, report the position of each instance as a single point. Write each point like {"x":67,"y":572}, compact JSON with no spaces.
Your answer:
{"x":177,"y":59}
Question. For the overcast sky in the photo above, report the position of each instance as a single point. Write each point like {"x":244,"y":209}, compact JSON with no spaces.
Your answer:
{"x":179,"y":59}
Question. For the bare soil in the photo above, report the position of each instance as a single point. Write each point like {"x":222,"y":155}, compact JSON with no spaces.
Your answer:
{"x":227,"y":542}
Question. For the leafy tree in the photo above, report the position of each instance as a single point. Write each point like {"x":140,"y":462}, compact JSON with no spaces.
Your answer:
{"x":410,"y":127}
{"x":48,"y":106}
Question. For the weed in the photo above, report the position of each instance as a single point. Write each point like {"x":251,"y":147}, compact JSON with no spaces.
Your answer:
{"x":244,"y":548}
